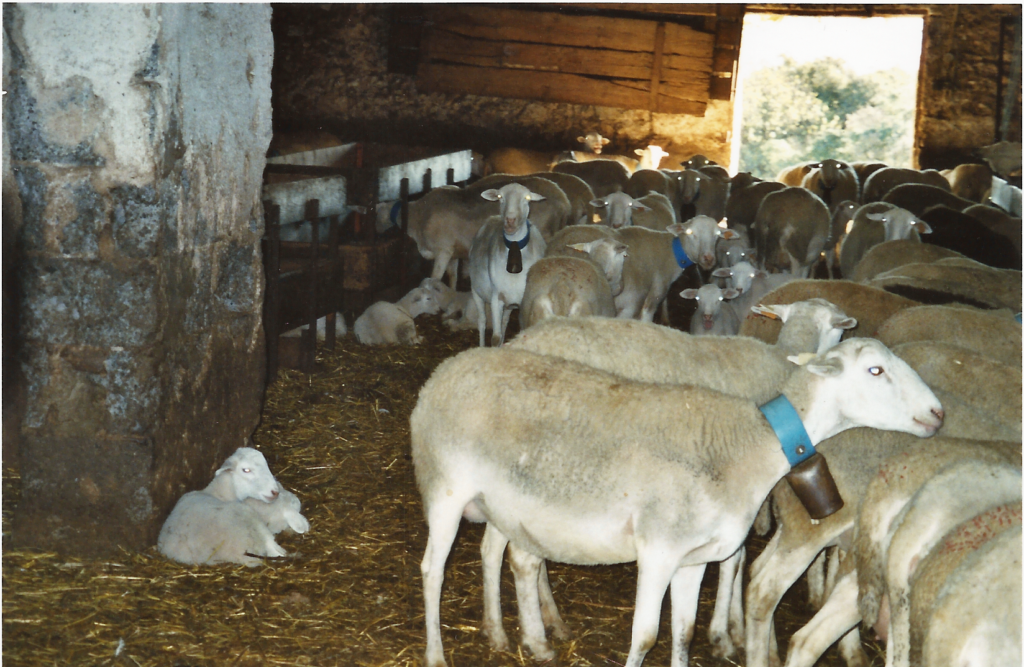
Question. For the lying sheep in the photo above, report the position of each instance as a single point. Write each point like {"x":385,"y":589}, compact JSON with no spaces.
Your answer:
{"x":877,"y":223}
{"x":978,"y":616}
{"x":884,"y":180}
{"x":574,"y":287}
{"x":976,"y":487}
{"x":281,"y":514}
{"x":856,"y":458}
{"x":962,"y":546}
{"x":792,"y":226}
{"x":215,"y":525}
{"x":467,"y":428}
{"x":955,"y":280}
{"x":995,"y":335}
{"x":713,"y":317}
{"x":497,"y":278}
{"x":889,"y":255}
{"x":386,"y":323}
{"x":833,"y":181}
{"x":960,"y":232}
{"x":970,"y":181}
{"x":603,"y":176}
{"x":871,"y":306}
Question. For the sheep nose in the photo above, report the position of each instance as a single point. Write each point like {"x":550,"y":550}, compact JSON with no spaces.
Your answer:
{"x":939,"y":413}
{"x":274,"y":493}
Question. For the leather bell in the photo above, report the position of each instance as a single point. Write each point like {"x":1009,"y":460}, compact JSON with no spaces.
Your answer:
{"x":814,"y":486}
{"x":515,"y":259}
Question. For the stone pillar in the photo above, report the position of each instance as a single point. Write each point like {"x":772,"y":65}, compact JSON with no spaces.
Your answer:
{"x":137,"y":139}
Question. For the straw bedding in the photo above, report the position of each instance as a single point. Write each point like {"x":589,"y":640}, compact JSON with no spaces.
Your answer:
{"x":352,"y":594}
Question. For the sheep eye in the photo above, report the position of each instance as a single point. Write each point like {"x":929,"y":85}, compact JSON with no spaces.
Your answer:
{"x":247,"y":470}
{"x":689,"y":231}
{"x":876,"y":370}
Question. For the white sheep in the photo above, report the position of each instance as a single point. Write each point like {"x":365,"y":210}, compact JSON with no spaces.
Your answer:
{"x":385,"y":323}
{"x":594,"y":142}
{"x":603,"y":176}
{"x":978,"y":617}
{"x":617,"y":209}
{"x":793,"y":175}
{"x":1004,"y":157}
{"x":282,"y":513}
{"x":215,"y":525}
{"x":645,"y":181}
{"x":955,"y":280}
{"x":792,"y":228}
{"x":669,"y":488}
{"x":650,"y":157}
{"x":970,"y":181}
{"x":705,"y":193}
{"x":892,"y":254}
{"x":833,"y":181}
{"x":713,"y":317}
{"x":879,"y":183}
{"x":497,"y":279}
{"x":996,"y":335}
{"x":877,"y":223}
{"x":745,"y":196}
{"x":658,"y":214}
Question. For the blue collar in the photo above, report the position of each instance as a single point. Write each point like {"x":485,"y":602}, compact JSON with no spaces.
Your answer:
{"x":784,"y":420}
{"x":682,"y":259}
{"x":1017,"y":317}
{"x":521,"y":244}
{"x":395,"y":209}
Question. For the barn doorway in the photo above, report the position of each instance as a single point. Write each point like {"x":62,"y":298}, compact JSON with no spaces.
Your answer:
{"x":813,"y":87}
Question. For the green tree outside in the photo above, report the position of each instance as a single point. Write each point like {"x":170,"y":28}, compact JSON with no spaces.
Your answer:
{"x":821,"y":109}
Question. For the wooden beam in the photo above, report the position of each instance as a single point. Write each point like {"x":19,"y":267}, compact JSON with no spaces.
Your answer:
{"x":674,"y":8}
{"x":659,"y":47}
{"x":551,"y":87}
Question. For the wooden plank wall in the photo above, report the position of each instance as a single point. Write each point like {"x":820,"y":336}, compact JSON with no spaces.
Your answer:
{"x":634,"y":63}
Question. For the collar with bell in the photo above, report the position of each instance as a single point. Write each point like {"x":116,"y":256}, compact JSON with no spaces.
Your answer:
{"x":789,"y":429}
{"x":682,"y":259}
{"x":521,"y":243}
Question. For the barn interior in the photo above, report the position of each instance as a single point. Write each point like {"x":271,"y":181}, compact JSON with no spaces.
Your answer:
{"x":146,"y":185}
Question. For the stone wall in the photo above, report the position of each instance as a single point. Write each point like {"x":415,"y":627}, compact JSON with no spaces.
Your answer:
{"x":137,"y":136}
{"x":331,"y":74}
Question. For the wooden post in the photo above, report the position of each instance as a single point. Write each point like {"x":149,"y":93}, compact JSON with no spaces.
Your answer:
{"x":332,"y":275}
{"x":272,"y":301}
{"x":404,"y":241}
{"x":309,"y":341}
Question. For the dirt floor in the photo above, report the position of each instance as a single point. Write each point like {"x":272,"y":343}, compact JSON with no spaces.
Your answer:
{"x":352,"y":594}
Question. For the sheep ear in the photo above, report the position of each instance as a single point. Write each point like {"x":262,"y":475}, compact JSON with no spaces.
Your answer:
{"x":533,"y":196}
{"x":582,"y":247}
{"x":922,"y":227}
{"x":824,"y":366}
{"x":877,"y":217}
{"x":845,"y":323}
{"x":597,"y":203}
{"x":605,"y":141}
{"x":676,"y":228}
{"x":581,"y":139}
{"x":774,"y":312}
{"x":689,"y":293}
{"x":491,"y":195}
{"x":640,"y":207}
{"x":730,"y":293}
{"x":722,"y":273}
{"x":639,"y":151}
{"x":729,"y":234}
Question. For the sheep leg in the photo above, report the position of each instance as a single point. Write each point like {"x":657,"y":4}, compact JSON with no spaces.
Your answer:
{"x":654,"y":576}
{"x":506,"y":315}
{"x":736,"y":607}
{"x":835,"y":618}
{"x":481,"y":316}
{"x":816,"y":580}
{"x":526,"y":568}
{"x":774,"y":577}
{"x":684,"y":593}
{"x":497,"y":315}
{"x":851,"y":649}
{"x":492,"y":550}
{"x":835,"y":555}
{"x":718,"y":633}
{"x":443,"y":517}
{"x":441,"y":263}
{"x":453,"y":272}
{"x":548,"y":608}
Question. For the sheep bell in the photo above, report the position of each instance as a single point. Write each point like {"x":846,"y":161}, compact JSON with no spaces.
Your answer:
{"x":514,"y":264}
{"x":814,"y":486}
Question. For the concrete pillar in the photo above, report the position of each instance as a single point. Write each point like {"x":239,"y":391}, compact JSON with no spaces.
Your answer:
{"x":136,"y":136}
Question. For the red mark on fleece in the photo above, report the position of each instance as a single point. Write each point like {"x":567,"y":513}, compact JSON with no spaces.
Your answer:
{"x":972,"y":534}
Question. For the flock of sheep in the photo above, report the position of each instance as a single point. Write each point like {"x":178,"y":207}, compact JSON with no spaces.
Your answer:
{"x":596,"y":436}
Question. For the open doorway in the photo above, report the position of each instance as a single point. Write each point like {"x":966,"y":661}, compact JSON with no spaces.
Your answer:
{"x":815,"y":87}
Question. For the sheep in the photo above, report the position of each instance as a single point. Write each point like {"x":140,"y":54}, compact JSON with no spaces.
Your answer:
{"x":617,"y":209}
{"x":658,"y":212}
{"x":972,"y":384}
{"x":869,"y":305}
{"x":650,"y":157}
{"x":793,"y":175}
{"x":978,"y":617}
{"x":842,"y":216}
{"x":282,"y":513}
{"x":464,"y":434}
{"x":549,"y":213}
{"x":630,"y":164}
{"x":759,"y":285}
{"x":856,"y":458}
{"x":960,"y":232}
{"x":882,"y":181}
{"x":697,"y":161}
{"x":991,"y":334}
{"x":877,"y":223}
{"x":976,"y":486}
{"x":497,"y":279}
{"x":970,"y":181}
{"x":713,"y":316}
{"x":517,"y":161}
{"x":731,"y":252}
{"x":833,"y":181}
{"x":645,"y":181}
{"x":792,"y":226}
{"x":574,"y":287}
{"x":739,"y":276}
{"x":706,"y":194}
{"x":955,"y":280}
{"x":603,"y":176}
{"x":214,"y":525}
{"x":653,"y":353}
{"x":386,"y":323}
{"x":998,"y":221}
{"x":594,"y":142}
{"x":340,"y":328}
{"x":576,"y":190}
{"x":960,"y":546}
{"x":918,"y":197}
{"x":744,"y":200}
{"x":657,"y":259}
{"x":1004,"y":157}
{"x":863,"y":169}
{"x":892,"y":254}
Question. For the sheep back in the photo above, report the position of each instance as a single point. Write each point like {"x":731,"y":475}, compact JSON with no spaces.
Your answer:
{"x":892,"y":254}
{"x":955,"y":280}
{"x":993,"y":334}
{"x":603,"y":176}
{"x":203,"y":530}
{"x":791,"y":223}
{"x":960,"y":232}
{"x":385,"y":323}
{"x":516,"y":161}
{"x":882,"y":181}
{"x":565,"y":286}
